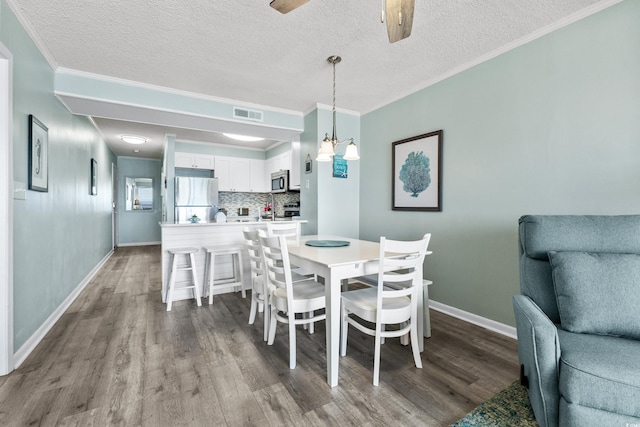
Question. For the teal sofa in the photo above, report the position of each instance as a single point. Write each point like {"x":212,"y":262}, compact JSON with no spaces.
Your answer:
{"x":578,"y":319}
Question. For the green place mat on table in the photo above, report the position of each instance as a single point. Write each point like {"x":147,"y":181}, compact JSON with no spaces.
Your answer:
{"x":326,"y":243}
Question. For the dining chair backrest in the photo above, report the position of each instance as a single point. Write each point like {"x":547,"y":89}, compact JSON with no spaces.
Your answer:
{"x":276,"y":261}
{"x":253,"y":247}
{"x":402,"y":269}
{"x":290,"y":229}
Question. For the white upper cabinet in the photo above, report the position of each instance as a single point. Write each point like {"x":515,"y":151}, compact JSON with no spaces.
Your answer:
{"x":259,"y":183}
{"x":279,"y":162}
{"x":194,"y":161}
{"x":289,"y":160}
{"x":236,"y":174}
{"x":294,"y":174}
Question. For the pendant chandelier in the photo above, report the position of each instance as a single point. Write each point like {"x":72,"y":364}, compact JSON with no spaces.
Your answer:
{"x":328,"y":146}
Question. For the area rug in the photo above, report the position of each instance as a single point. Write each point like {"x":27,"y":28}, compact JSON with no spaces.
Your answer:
{"x":509,"y":408}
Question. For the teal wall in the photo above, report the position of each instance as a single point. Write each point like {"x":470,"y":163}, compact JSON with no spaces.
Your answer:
{"x":61,"y":235}
{"x":278,"y":149}
{"x":139,"y":227}
{"x":330,"y":205}
{"x":338,"y":204}
{"x":548,"y":128}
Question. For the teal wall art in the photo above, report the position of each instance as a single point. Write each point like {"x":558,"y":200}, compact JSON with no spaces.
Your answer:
{"x":417,"y":171}
{"x":339,"y":166}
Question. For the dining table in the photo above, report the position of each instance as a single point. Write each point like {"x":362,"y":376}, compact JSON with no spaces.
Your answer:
{"x":337,"y":259}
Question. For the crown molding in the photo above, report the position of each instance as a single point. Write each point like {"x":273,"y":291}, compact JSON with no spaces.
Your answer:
{"x":171,"y":91}
{"x":33,"y":35}
{"x":568,"y":20}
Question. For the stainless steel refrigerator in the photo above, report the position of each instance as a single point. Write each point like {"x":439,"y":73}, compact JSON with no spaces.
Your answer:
{"x":196,"y":196}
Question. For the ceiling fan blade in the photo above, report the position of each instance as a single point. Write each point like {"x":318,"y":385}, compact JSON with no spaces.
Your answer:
{"x":286,"y":6}
{"x":399,"y":19}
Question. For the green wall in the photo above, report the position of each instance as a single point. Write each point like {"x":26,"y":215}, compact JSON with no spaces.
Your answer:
{"x":139,"y":227}
{"x":60,"y":235}
{"x":548,"y":128}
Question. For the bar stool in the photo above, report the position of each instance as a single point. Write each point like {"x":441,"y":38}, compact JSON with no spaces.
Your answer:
{"x":210,"y":268}
{"x":175,"y":268}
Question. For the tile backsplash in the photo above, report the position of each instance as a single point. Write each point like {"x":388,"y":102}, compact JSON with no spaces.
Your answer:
{"x":255,"y":202}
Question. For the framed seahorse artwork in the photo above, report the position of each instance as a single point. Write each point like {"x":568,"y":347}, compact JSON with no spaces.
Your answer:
{"x":38,"y":155}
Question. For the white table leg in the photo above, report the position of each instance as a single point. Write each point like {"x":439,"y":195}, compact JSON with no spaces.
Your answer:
{"x":332,"y":293}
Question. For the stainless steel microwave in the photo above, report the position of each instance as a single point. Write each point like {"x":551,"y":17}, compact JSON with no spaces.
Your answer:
{"x":280,"y":181}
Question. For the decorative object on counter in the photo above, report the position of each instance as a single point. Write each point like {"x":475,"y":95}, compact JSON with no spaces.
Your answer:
{"x":327,"y":243}
{"x":417,"y":173}
{"x":221,"y":217}
{"x":38,"y":155}
{"x":194,"y":219}
{"x":328,"y":146}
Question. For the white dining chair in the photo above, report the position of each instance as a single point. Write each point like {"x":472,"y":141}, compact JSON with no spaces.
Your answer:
{"x":292,"y":231}
{"x":259,"y":286}
{"x":392,"y":302}
{"x":287,"y":300}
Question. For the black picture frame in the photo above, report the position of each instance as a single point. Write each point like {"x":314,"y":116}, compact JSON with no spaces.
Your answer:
{"x":308,"y":164}
{"x":93,"y":186}
{"x":38,"y":155}
{"x":417,"y":173}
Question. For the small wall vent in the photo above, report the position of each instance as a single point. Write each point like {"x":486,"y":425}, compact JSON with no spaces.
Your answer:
{"x":246,"y":114}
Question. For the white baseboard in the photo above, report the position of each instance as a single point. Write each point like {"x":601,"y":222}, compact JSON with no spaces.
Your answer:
{"x":26,"y":349}
{"x":483,"y":322}
{"x":139,"y":244}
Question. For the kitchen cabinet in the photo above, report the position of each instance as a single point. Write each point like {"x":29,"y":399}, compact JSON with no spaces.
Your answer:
{"x":279,"y":162}
{"x":259,"y":181}
{"x":194,"y":161}
{"x":289,"y":160}
{"x":234,"y":174}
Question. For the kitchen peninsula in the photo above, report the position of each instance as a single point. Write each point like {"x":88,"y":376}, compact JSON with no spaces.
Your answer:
{"x":198,"y":235}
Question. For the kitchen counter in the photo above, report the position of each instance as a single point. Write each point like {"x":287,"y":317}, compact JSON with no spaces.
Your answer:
{"x":198,"y":235}
{"x":248,"y":220}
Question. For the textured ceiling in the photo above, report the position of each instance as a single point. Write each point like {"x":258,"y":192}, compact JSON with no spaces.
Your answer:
{"x":247,"y":51}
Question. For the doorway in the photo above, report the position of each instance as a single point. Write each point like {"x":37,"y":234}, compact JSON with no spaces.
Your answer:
{"x":6,"y":211}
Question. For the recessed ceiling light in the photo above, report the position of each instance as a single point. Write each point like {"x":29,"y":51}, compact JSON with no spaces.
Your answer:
{"x":135,"y":150}
{"x":242,"y":137}
{"x":131,"y":139}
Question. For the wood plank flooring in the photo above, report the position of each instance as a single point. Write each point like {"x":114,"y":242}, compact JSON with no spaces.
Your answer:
{"x":117,"y":357}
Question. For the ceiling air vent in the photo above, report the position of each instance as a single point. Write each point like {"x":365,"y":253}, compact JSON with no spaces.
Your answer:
{"x":244,"y":113}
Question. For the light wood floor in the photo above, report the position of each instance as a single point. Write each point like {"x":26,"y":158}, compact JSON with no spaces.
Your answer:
{"x":116,"y":357}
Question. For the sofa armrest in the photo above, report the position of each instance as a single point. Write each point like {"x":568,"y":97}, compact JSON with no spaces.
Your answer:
{"x":539,"y":352}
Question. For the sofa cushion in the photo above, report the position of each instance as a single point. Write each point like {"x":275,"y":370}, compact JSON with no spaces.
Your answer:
{"x":600,"y":372}
{"x":598,"y":293}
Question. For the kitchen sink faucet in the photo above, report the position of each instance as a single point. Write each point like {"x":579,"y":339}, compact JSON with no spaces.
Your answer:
{"x":273,"y":207}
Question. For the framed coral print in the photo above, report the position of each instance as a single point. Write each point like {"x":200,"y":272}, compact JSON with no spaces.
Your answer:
{"x":417,"y":173}
{"x":38,"y":150}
